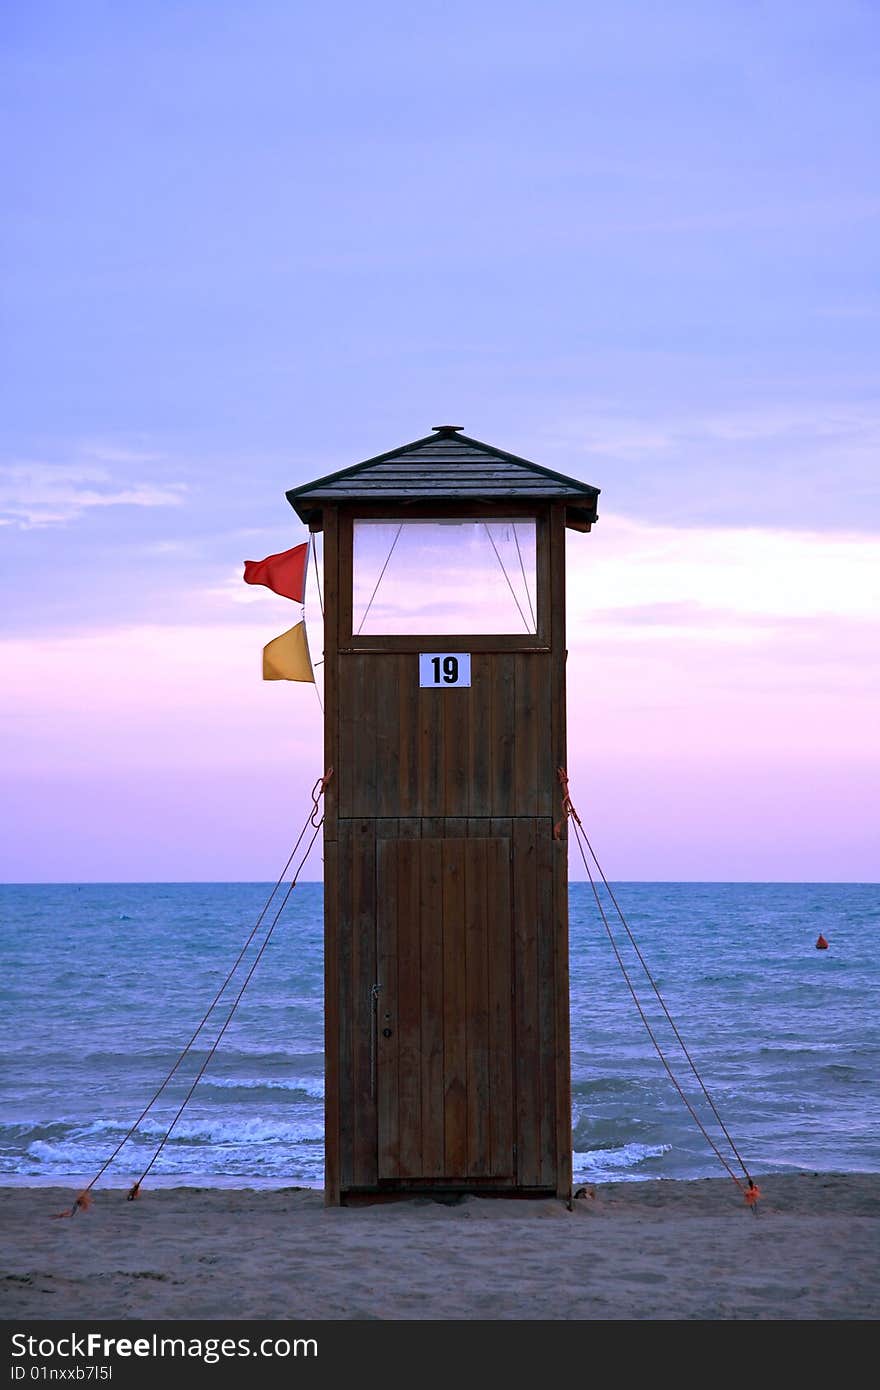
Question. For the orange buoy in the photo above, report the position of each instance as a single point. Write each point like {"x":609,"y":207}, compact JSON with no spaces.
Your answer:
{"x":821,"y":944}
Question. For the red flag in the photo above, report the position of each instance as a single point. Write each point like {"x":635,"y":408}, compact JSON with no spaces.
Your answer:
{"x":284,"y":574}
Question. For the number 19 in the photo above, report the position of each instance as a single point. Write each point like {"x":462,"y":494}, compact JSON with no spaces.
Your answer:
{"x":449,"y":669}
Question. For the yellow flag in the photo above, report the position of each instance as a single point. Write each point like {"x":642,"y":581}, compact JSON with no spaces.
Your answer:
{"x":286,"y":658}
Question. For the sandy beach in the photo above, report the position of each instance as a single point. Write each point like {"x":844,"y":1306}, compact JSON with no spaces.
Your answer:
{"x":637,"y":1250}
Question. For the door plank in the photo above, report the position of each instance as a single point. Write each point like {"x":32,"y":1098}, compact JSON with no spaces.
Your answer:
{"x":386,"y":1014}
{"x":502,"y":719}
{"x":454,"y":1011}
{"x":477,"y":911}
{"x":431,"y":913}
{"x":409,"y":1012}
{"x":500,"y":994}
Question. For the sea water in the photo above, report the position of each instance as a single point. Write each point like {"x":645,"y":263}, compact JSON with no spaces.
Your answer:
{"x":103,"y":984}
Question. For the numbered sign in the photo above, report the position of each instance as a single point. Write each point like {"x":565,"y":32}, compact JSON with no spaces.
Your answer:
{"x":442,"y":670}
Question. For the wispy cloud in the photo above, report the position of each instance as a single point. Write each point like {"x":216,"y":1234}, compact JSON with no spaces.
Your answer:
{"x":232,"y":589}
{"x":150,"y":694}
{"x":604,"y":429}
{"x":105,"y":452}
{"x":635,"y":573}
{"x":42,"y":494}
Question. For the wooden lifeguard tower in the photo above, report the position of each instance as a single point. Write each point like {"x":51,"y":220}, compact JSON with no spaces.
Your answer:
{"x":446,"y":904}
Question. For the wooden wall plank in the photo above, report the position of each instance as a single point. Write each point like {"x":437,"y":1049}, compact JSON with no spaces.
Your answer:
{"x":430,"y":901}
{"x":563,"y":1018}
{"x":556,"y":558}
{"x":363,"y":976}
{"x":431,"y":772}
{"x":349,"y":774}
{"x":546,"y":765}
{"x":389,"y":753}
{"x":503,"y":701}
{"x":528,"y":1078}
{"x":407,"y":664}
{"x":546,"y":982}
{"x":332,"y":1175}
{"x":364,"y":730}
{"x":558,"y":655}
{"x":480,"y":736}
{"x":526,"y":668}
{"x":454,"y":705}
{"x":454,"y":1011}
{"x":345,"y":1002}
{"x":331,"y":669}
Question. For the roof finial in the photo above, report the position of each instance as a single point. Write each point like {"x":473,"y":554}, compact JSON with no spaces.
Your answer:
{"x":446,"y":429}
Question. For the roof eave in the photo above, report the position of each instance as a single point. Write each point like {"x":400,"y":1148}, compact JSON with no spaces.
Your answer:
{"x":580,"y":513}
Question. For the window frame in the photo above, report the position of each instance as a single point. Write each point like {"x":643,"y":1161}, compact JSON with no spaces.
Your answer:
{"x":396,"y":511}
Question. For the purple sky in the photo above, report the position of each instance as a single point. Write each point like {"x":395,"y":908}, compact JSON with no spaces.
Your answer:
{"x":245,"y":246}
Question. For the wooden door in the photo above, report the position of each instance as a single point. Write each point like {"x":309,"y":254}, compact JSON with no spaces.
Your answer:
{"x":444,"y":1036}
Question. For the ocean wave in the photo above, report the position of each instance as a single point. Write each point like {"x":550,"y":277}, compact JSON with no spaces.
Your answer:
{"x":278,"y":1163}
{"x":598,"y":1164}
{"x":241,"y":1134}
{"x":587,"y":1086}
{"x":201,"y":1130}
{"x":312,"y":1086}
{"x":31,"y":1131}
{"x":257,"y":1054}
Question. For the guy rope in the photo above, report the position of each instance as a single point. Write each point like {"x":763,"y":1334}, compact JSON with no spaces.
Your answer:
{"x":315,"y":820}
{"x":750,"y":1190}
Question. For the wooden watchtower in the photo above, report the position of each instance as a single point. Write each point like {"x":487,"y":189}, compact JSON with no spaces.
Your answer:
{"x":446,"y":909}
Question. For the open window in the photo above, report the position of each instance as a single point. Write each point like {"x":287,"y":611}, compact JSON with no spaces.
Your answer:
{"x":436,"y":576}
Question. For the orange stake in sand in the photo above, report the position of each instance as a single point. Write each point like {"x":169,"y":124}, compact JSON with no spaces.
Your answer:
{"x":82,"y":1203}
{"x":821,"y":944}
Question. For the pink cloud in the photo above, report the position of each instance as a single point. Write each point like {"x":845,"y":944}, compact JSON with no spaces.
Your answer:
{"x":722,"y":694}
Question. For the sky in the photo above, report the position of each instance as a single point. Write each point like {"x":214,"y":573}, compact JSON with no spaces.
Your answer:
{"x":245,"y":245}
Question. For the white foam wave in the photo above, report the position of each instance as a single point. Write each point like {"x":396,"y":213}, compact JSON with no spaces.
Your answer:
{"x":230,"y":1134}
{"x":597,"y":1164}
{"x":42,"y":1149}
{"x":198,"y":1130}
{"x":95,"y":1127}
{"x":312,"y":1086}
